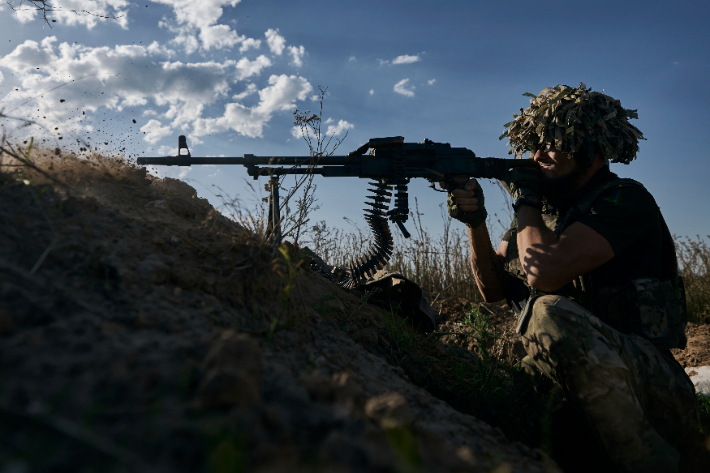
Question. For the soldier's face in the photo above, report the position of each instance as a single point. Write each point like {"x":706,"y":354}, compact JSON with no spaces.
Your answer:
{"x":560,"y":171}
{"x":555,"y":164}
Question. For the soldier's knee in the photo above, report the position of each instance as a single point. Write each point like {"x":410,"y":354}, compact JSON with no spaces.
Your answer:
{"x":556,"y":325}
{"x":544,"y":306}
{"x":546,"y":316}
{"x":551,"y":310}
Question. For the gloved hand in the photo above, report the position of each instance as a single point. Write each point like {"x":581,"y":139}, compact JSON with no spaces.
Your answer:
{"x":522,"y":181}
{"x":464,"y":197}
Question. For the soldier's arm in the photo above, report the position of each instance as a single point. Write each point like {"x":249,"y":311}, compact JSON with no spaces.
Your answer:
{"x":487,"y":264}
{"x":550,"y":261}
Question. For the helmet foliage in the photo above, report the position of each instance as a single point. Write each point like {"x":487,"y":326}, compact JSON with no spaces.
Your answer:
{"x":573,"y":119}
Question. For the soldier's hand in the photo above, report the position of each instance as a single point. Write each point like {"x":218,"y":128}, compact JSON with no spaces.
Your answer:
{"x":466,"y":202}
{"x":522,"y":181}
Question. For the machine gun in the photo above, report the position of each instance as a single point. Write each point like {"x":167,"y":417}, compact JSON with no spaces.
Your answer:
{"x":390,"y":163}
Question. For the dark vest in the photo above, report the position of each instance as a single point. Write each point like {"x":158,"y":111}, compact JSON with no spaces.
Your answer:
{"x":651,"y":307}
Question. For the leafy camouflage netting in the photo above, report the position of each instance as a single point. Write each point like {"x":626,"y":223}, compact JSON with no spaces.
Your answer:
{"x":568,"y":118}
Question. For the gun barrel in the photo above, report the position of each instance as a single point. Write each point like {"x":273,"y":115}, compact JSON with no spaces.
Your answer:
{"x":249,"y":160}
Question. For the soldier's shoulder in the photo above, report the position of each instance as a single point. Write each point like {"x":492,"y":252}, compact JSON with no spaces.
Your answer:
{"x":623,"y":191}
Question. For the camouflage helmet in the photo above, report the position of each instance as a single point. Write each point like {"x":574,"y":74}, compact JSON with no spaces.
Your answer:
{"x":573,"y":119}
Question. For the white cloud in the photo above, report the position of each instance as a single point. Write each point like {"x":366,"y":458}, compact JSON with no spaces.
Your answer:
{"x":297,"y":54}
{"x":114,"y":78}
{"x":166,"y":150}
{"x":219,"y":37}
{"x":335,"y":130}
{"x":372,"y":91}
{"x":172,"y":95}
{"x":156,"y":48}
{"x":198,"y":19}
{"x":175,"y":172}
{"x":405,"y":59}
{"x":401,"y":88}
{"x":332,"y":130}
{"x":352,"y":59}
{"x":431,"y":82}
{"x":201,"y":14}
{"x":276,"y":42}
{"x":186,"y":37}
{"x":280,"y":95}
{"x":155,"y":131}
{"x":249,"y":43}
{"x":78,"y":12}
{"x":246,"y":68}
{"x":298,"y":132}
{"x":251,"y":88}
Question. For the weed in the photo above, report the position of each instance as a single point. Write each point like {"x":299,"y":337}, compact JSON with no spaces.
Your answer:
{"x":321,"y":307}
{"x":704,"y":403}
{"x":694,"y":261}
{"x":227,"y":452}
{"x":480,"y":329}
{"x":286,"y":267}
{"x":404,"y":445}
{"x":400,"y":332}
{"x":704,"y":407}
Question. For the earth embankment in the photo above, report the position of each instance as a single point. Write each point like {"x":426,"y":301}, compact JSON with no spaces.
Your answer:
{"x":142,"y":330}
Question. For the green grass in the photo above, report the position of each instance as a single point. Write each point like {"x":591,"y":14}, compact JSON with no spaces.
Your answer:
{"x":704,"y":406}
{"x":486,"y":386}
{"x":401,"y":333}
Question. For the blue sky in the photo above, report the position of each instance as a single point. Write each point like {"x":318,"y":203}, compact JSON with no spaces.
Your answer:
{"x":228,"y":73}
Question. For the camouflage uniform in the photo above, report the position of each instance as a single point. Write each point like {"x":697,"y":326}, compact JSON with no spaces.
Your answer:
{"x":604,"y":338}
{"x":636,"y":398}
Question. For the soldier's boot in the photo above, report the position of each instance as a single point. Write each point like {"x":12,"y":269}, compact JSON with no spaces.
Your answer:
{"x":585,"y":357}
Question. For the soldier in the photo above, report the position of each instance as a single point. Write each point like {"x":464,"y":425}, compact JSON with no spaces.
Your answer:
{"x":589,"y":268}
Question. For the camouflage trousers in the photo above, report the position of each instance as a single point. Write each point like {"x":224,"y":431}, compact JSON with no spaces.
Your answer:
{"x":638,"y":400}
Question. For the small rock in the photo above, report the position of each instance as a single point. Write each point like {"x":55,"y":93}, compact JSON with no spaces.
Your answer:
{"x":234,"y":365}
{"x":700,"y":377}
{"x":157,"y":204}
{"x":347,"y":390}
{"x":227,"y":387}
{"x":7,"y":323}
{"x":390,"y":410}
{"x":318,"y":386}
{"x":153,"y":268}
{"x":366,"y":336}
{"x":186,"y":278}
{"x":465,"y":453}
{"x":111,"y":328}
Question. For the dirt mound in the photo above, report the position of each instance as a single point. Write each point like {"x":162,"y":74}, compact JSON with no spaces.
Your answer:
{"x":142,"y":330}
{"x":697,"y":353}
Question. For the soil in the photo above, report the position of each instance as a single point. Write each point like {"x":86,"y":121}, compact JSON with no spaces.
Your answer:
{"x":697,"y":353}
{"x":142,"y":330}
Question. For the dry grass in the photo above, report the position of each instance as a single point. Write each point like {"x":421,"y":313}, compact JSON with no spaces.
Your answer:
{"x":694,"y":260}
{"x":439,"y":264}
